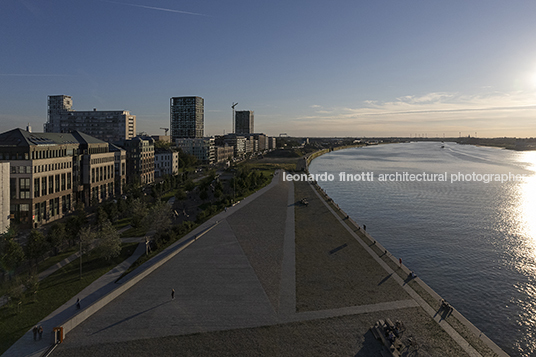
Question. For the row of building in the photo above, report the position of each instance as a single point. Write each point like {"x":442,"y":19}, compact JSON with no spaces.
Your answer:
{"x":48,"y":173}
{"x":89,"y":156}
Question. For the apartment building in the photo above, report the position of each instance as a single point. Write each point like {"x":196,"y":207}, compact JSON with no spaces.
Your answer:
{"x":244,"y":122}
{"x":223,"y":153}
{"x":50,"y":172}
{"x":187,"y":117}
{"x":201,"y":148}
{"x":140,"y":159}
{"x":107,"y":125}
{"x":166,"y":162}
{"x":4,"y":197}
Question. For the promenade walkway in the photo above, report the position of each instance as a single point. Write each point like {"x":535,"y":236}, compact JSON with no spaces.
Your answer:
{"x":236,"y":293}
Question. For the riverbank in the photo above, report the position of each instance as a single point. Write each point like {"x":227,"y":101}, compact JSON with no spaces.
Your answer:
{"x":455,"y":320}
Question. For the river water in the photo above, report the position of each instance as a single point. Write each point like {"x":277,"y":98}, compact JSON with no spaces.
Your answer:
{"x":472,"y":241}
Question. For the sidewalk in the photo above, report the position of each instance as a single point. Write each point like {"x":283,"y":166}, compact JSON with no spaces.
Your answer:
{"x":44,"y":274}
{"x":25,"y":346}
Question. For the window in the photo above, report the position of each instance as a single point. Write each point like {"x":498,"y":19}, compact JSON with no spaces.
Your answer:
{"x":13,"y":188}
{"x":68,"y":180}
{"x":57,"y":183}
{"x":24,"y":188}
{"x":43,"y":186}
{"x":50,"y":185}
{"x":37,"y":192}
{"x":37,"y":212}
{"x":63,"y":182}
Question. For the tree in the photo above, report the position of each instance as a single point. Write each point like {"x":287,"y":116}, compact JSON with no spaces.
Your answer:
{"x":159,"y":218}
{"x":180,"y":195}
{"x":108,"y":241}
{"x":111,"y":209}
{"x":56,"y":236}
{"x":86,"y":238}
{"x":15,"y":294}
{"x":160,"y":144}
{"x":31,"y":284}
{"x":72,"y":228}
{"x":101,"y":216}
{"x":11,"y":255}
{"x":138,"y":209}
{"x":189,"y":185}
{"x":36,"y":246}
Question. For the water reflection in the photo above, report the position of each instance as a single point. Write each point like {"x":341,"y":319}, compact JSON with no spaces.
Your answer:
{"x":523,"y":212}
{"x":474,"y":243}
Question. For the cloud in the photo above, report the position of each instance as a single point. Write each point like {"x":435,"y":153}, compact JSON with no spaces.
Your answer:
{"x":33,"y":75}
{"x":156,"y":8}
{"x":493,"y":113}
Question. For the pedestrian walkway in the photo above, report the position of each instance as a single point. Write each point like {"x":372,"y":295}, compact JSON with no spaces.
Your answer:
{"x":52,"y":269}
{"x":220,"y":283}
{"x":26,"y":346}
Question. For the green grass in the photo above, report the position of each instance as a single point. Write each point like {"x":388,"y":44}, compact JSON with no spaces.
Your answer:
{"x":165,"y":197}
{"x":134,"y":232}
{"x":53,"y":292}
{"x":122,"y":222}
{"x":44,"y":265}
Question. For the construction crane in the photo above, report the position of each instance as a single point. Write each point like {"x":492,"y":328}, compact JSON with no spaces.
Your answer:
{"x":233,"y":106}
{"x":165,"y":130}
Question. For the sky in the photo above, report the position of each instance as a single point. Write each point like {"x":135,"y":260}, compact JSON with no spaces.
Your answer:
{"x":359,"y":68}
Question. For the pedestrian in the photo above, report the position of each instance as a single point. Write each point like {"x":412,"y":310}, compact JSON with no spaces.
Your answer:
{"x":78,"y":303}
{"x":40,"y":332}
{"x":400,"y":261}
{"x":364,"y":227}
{"x":35,"y":329}
{"x":172,"y":294}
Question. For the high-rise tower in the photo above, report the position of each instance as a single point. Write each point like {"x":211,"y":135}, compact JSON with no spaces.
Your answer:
{"x":187,"y":117}
{"x":244,"y":122}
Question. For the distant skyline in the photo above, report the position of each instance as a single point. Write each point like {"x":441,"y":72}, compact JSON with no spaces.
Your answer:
{"x":307,"y":68}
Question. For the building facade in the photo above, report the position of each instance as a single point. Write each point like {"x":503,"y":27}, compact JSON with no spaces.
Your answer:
{"x":140,"y":160}
{"x":223,"y":153}
{"x":201,"y":148}
{"x":244,"y":121}
{"x":166,"y":162}
{"x":4,"y":197}
{"x":50,"y":172}
{"x":109,"y":126}
{"x":120,"y":168}
{"x":187,"y":117}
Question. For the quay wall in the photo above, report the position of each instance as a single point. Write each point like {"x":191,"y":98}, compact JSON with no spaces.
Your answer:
{"x":464,"y":321}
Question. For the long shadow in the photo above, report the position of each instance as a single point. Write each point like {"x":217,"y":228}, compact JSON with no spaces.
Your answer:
{"x":443,"y":312}
{"x":131,"y":317}
{"x":408,"y":279}
{"x":385,"y":279}
{"x":370,"y":347}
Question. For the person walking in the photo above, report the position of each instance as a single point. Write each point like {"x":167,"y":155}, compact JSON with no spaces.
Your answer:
{"x":40,"y":332}
{"x":34,"y":330}
{"x":172,"y":294}
{"x":78,"y":303}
